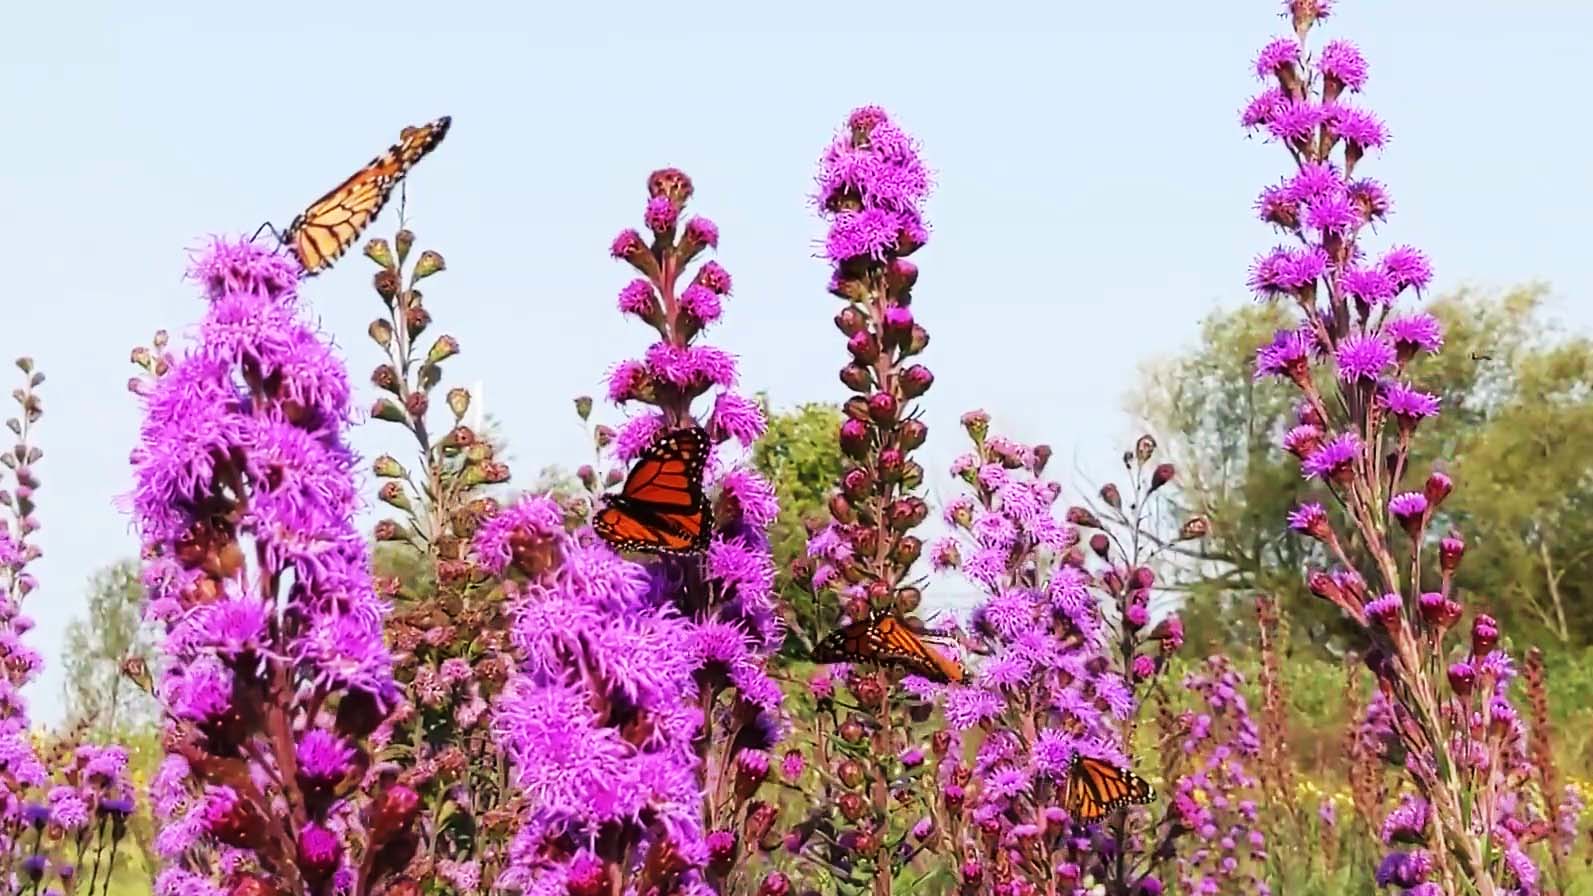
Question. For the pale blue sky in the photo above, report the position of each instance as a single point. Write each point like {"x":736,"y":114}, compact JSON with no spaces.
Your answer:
{"x":1093,"y":202}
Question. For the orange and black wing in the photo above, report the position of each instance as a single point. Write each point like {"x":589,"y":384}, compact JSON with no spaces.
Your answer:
{"x":332,"y":223}
{"x":662,"y":508}
{"x":1096,"y":788}
{"x":885,"y":640}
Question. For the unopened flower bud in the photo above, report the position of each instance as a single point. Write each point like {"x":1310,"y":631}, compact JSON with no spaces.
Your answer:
{"x":916,"y":380}
{"x":774,"y":883}
{"x":458,"y":401}
{"x":917,"y":341}
{"x":444,"y":348}
{"x":1461,"y":678}
{"x":863,"y":347}
{"x":385,"y":377}
{"x":386,"y":409}
{"x":416,"y":318}
{"x":381,"y":333}
{"x":912,"y":434}
{"x":1450,"y":550}
{"x":386,"y":283}
{"x":908,"y":599}
{"x":1484,"y":635}
{"x":752,"y":769}
{"x":857,"y":378}
{"x":1080,"y":516}
{"x":856,"y":408}
{"x":1437,"y":488}
{"x":429,"y":263}
{"x":403,"y":240}
{"x":852,"y":805}
{"x":392,"y":494}
{"x":378,"y":251}
{"x":387,"y":467}
{"x":1110,"y":495}
{"x":416,"y":404}
{"x":854,"y":439}
{"x":1193,"y":528}
{"x":852,"y":731}
{"x":1144,"y":448}
{"x":882,"y":407}
{"x":852,"y":322}
{"x":1162,"y":475}
{"x":907,"y":550}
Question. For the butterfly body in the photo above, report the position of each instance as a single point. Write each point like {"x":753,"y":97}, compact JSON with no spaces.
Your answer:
{"x":661,"y":509}
{"x":325,"y":230}
{"x":1096,"y":788}
{"x":884,"y":639}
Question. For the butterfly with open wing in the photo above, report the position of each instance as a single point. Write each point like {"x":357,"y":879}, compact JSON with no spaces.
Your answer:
{"x":884,"y":639}
{"x":1096,"y":788}
{"x":325,"y":230}
{"x":661,"y":509}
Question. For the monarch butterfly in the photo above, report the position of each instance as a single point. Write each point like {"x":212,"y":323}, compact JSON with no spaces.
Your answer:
{"x":884,"y":639}
{"x":661,"y":509}
{"x":1096,"y":788}
{"x":332,"y":223}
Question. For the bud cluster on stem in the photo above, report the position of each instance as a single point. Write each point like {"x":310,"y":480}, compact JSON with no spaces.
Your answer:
{"x":449,"y":632}
{"x":64,"y":804}
{"x":871,"y":188}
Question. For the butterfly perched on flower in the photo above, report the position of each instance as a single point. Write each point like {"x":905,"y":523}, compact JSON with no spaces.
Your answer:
{"x":661,"y":509}
{"x":884,"y":639}
{"x":332,"y":223}
{"x":1096,"y":788}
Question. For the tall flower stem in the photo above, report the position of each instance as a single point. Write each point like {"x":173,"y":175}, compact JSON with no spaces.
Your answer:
{"x":872,"y":184}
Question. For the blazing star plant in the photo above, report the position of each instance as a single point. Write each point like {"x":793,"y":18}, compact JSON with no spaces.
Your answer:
{"x":1071,"y":656}
{"x":871,"y":187}
{"x":245,"y":497}
{"x":449,"y":631}
{"x":640,"y":719}
{"x":1355,"y":358}
{"x":63,"y":806}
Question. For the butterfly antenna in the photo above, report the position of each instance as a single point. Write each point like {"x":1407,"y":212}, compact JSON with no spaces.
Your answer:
{"x":266,"y":228}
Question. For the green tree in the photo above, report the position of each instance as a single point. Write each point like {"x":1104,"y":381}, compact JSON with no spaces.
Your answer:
{"x":801,"y":458}
{"x":97,"y":646}
{"x":1516,"y":434}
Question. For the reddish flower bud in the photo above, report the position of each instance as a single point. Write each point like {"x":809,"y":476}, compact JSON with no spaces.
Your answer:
{"x":752,"y":769}
{"x":851,"y":321}
{"x":852,"y":731}
{"x":863,"y":347}
{"x":916,"y":342}
{"x":320,"y":851}
{"x":883,"y":407}
{"x":851,"y":805}
{"x":1437,"y":488}
{"x":1100,"y":544}
{"x":1193,"y":528}
{"x":857,"y":378}
{"x":900,"y":276}
{"x":907,"y":550}
{"x":854,"y":439}
{"x":1079,"y":516}
{"x":774,"y":884}
{"x":760,"y":820}
{"x":1461,"y":678}
{"x":908,"y":599}
{"x":1450,"y":551}
{"x":1110,"y":495}
{"x":849,"y":772}
{"x":972,"y":872}
{"x":856,"y":408}
{"x":911,"y":434}
{"x":841,"y":509}
{"x":857,"y":482}
{"x":1484,"y":635}
{"x":395,"y":810}
{"x":868,"y":690}
{"x":1162,"y":475}
{"x":890,"y":463}
{"x":916,"y":380}
{"x":952,"y":795}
